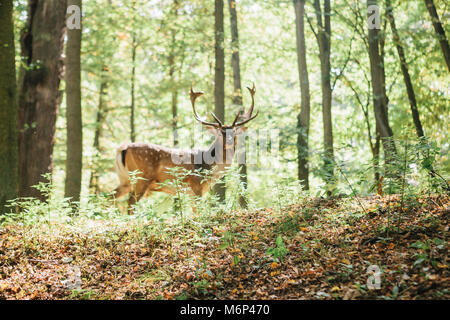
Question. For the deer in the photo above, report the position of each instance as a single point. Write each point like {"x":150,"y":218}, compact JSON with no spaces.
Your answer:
{"x":151,"y":161}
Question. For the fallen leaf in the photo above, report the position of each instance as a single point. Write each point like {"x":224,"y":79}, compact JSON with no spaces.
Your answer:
{"x":335,"y":288}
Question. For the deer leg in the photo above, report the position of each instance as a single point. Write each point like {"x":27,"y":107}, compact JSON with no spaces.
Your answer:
{"x":196,"y":192}
{"x":121,"y":190}
{"x":132,"y":200}
{"x":136,"y":194}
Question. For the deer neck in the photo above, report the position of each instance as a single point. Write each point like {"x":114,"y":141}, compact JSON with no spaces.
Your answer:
{"x":223,"y":158}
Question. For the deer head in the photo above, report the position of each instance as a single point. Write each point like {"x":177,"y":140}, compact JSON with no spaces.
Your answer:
{"x":226,"y":135}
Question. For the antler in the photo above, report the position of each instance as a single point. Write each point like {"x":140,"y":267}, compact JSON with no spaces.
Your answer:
{"x":238,"y":114}
{"x":194,"y":96}
{"x":217,"y":119}
{"x":247,"y":116}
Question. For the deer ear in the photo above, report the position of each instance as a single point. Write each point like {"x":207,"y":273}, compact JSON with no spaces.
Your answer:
{"x":212,"y":130}
{"x":240,"y":130}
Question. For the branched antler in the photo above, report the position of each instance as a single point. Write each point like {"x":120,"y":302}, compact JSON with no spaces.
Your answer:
{"x":218,"y":124}
{"x":195,"y":95}
{"x":248,"y":116}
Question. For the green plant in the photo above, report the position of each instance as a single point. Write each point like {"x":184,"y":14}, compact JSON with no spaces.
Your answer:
{"x":31,"y":211}
{"x":426,"y":248}
{"x":235,"y":188}
{"x":279,"y":251}
{"x":182,"y":196}
{"x":82,"y":294}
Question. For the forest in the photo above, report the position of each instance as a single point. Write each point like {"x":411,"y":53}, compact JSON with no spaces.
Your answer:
{"x":226,"y":149}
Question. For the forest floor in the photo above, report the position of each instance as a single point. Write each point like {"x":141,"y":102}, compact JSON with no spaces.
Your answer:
{"x":317,"y":249}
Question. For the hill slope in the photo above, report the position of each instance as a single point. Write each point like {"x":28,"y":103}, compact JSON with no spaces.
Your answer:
{"x":319,"y":249}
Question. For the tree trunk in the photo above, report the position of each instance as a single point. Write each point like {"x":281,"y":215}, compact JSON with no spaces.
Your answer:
{"x":74,"y":119}
{"x":376,"y":159}
{"x":94,"y":179}
{"x":440,"y":32}
{"x":173,"y":84}
{"x":324,"y":41}
{"x":132,"y":93}
{"x":379,"y":96}
{"x":219,"y":79}
{"x":39,"y":97}
{"x":382,"y":39}
{"x":405,"y":72}
{"x":8,"y":109}
{"x":303,"y":118}
{"x":237,"y":94}
{"x":174,"y":114}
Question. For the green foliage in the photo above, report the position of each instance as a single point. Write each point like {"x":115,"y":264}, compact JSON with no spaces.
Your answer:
{"x":187,"y":34}
{"x":425,"y":251}
{"x":279,"y":251}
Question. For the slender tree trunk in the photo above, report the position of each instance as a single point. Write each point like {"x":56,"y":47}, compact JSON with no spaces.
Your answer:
{"x":74,"y":159}
{"x":174,"y":112}
{"x":172,"y":59}
{"x":376,"y":159}
{"x":132,"y":93}
{"x":173,"y":84}
{"x":235,"y":57}
{"x":374,"y":148}
{"x":237,"y":94}
{"x":440,"y":32}
{"x":303,"y":118}
{"x":219,"y":79}
{"x":94,"y":179}
{"x":405,"y":72}
{"x":38,"y":91}
{"x":379,"y":96}
{"x":8,"y":108}
{"x":382,"y":39}
{"x":324,"y":41}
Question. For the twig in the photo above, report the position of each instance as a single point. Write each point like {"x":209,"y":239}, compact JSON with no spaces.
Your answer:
{"x":43,"y":261}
